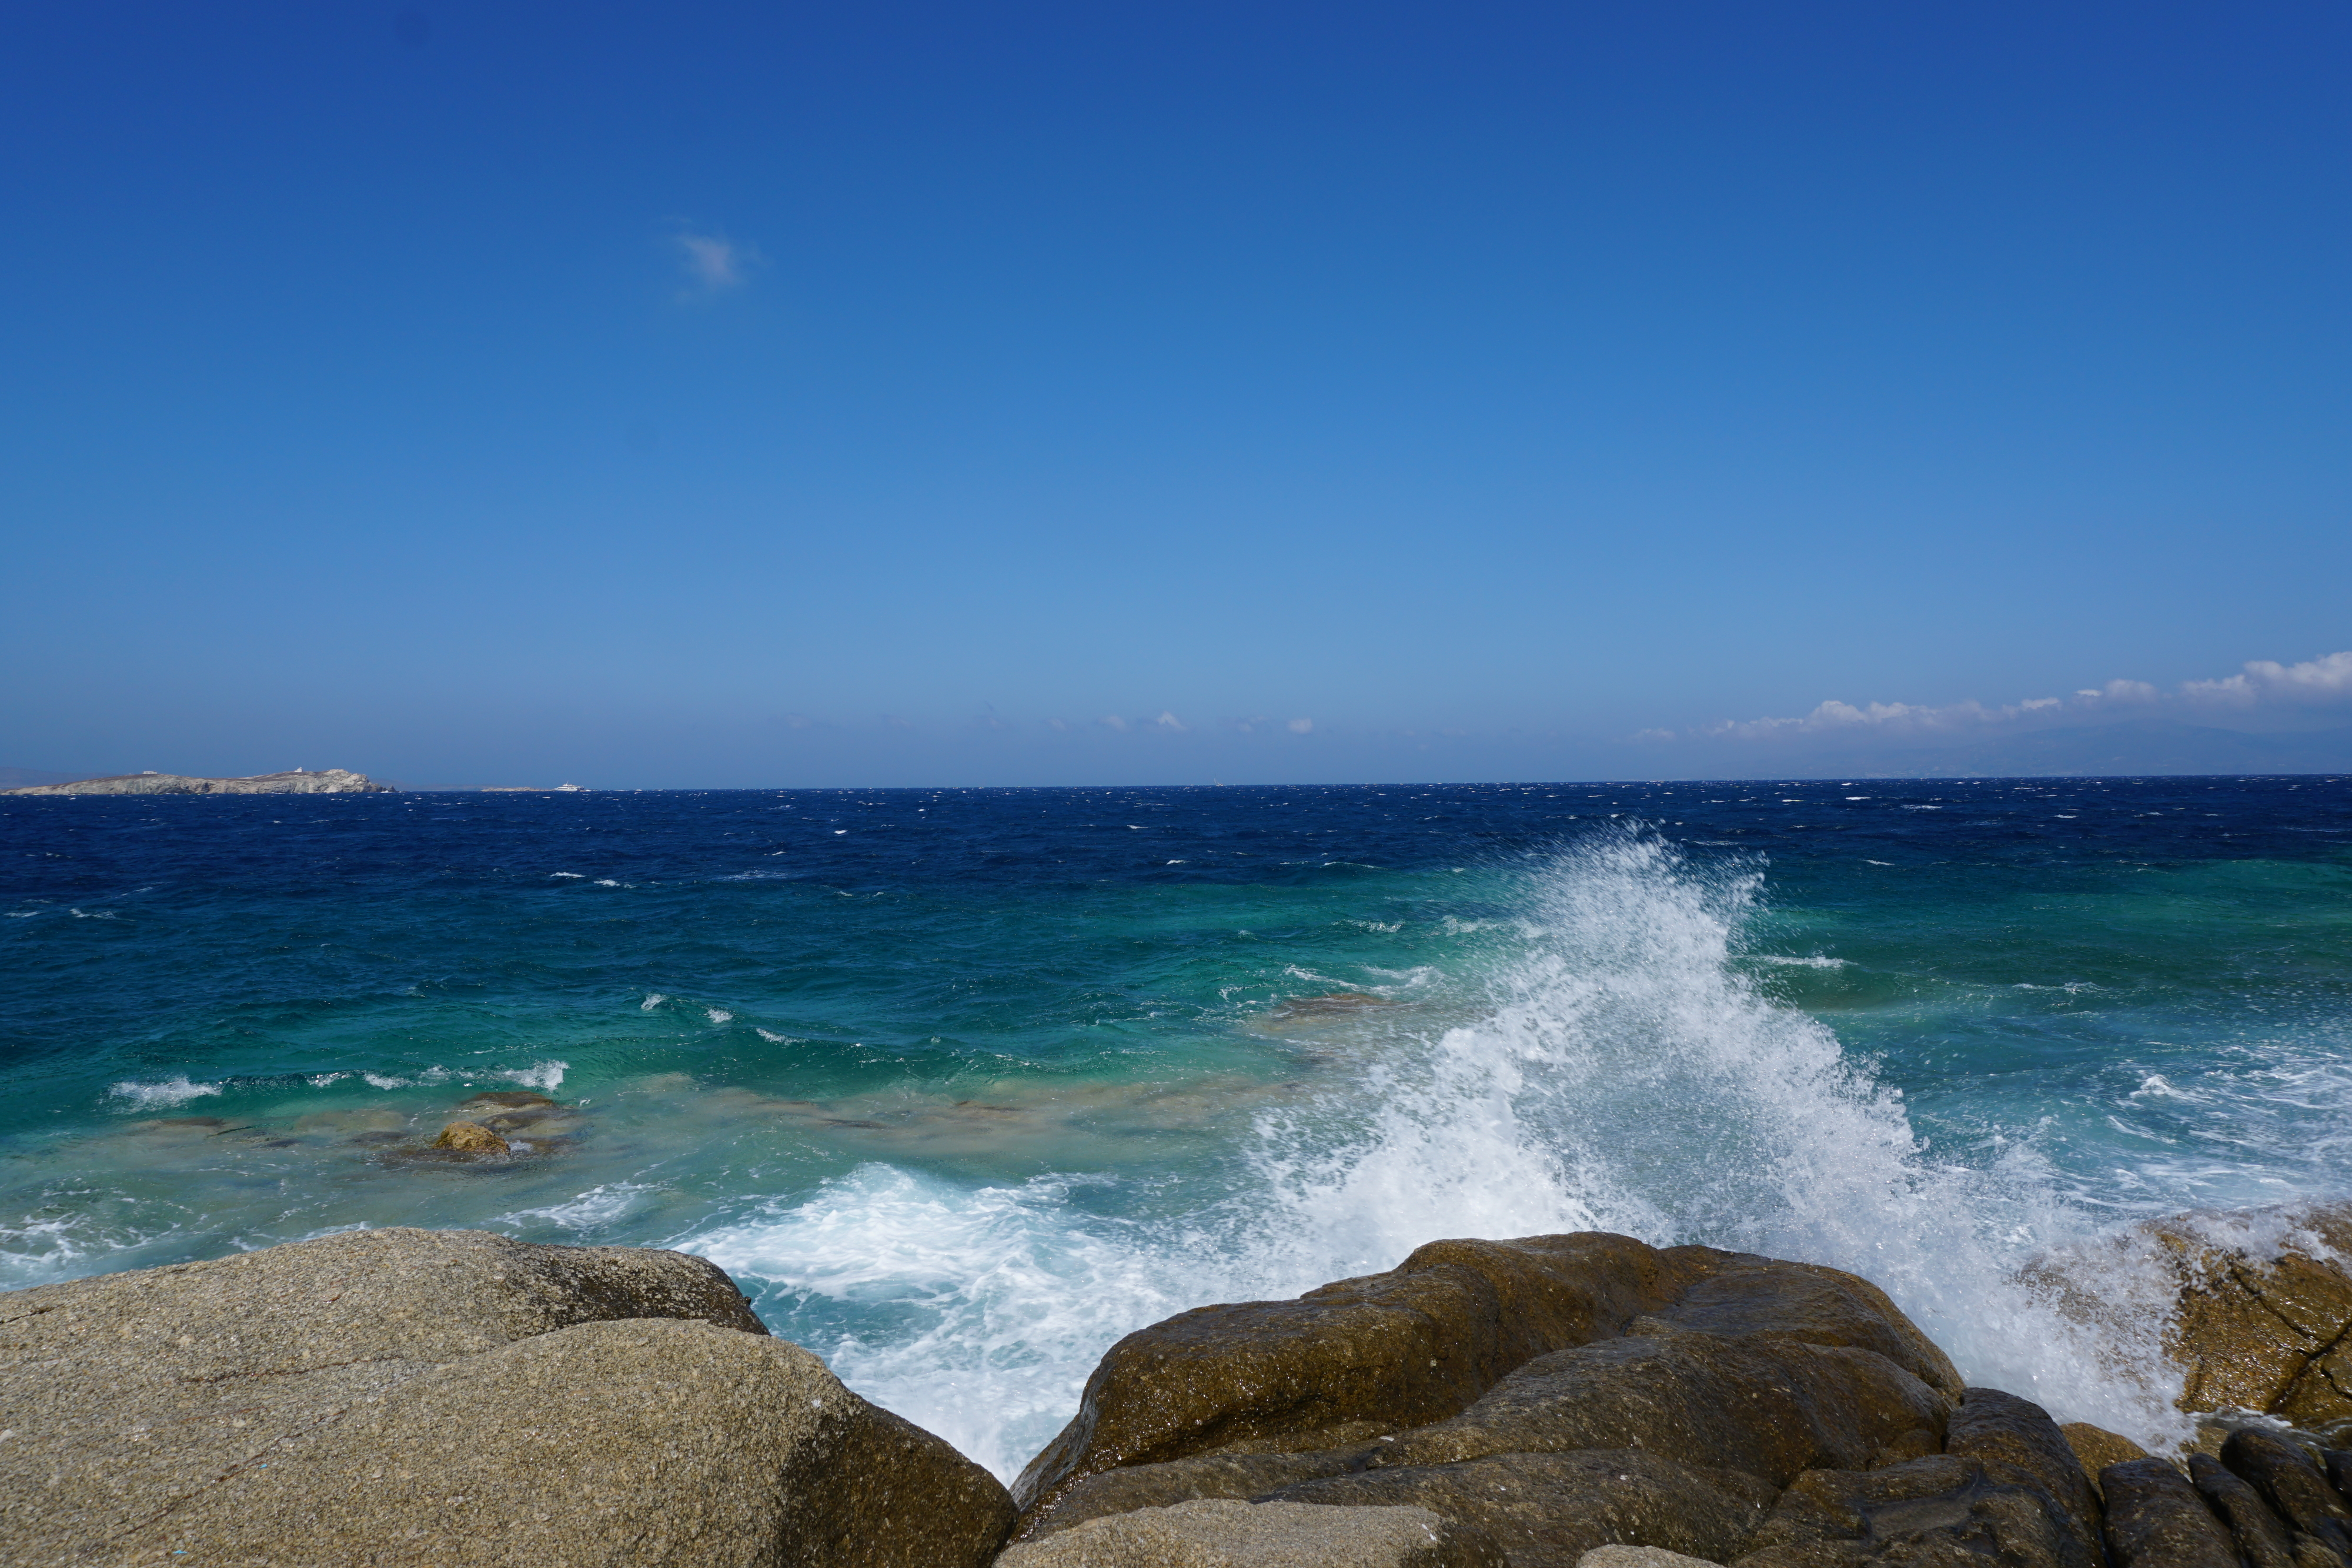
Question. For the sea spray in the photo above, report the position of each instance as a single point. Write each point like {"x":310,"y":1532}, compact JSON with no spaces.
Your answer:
{"x":1629,"y":1076}
{"x":1620,"y":1070}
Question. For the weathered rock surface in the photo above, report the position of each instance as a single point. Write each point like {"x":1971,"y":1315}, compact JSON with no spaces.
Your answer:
{"x":1639,"y":1557}
{"x":1943,"y":1511}
{"x":1238,"y":1476}
{"x":410,"y":1397}
{"x":1227,"y":1534}
{"x":1771,"y":1408}
{"x":1549,"y":1510}
{"x":2017,"y":1442}
{"x":1356,"y":1358}
{"x":1766,"y":1299}
{"x":2293,"y":1485}
{"x":2265,"y":1329}
{"x":2263,"y":1538}
{"x":470,"y":1138}
{"x":2097,"y":1448}
{"x":326,"y":781}
{"x":2155,"y":1518}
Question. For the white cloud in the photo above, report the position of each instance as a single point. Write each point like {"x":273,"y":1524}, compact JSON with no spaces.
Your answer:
{"x":2315,"y":681}
{"x":1111,"y":721}
{"x":1301,"y":726}
{"x":715,"y":263}
{"x":1169,"y":722}
{"x":2265,"y":683}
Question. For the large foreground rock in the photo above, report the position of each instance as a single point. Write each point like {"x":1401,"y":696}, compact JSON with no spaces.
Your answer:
{"x":1358,"y":1358}
{"x":2019,"y":1444}
{"x":1221,"y":1534}
{"x":1942,"y":1509}
{"x":2155,"y":1518}
{"x":1771,"y":1408}
{"x":1549,"y":1510}
{"x":1395,"y":1354}
{"x":410,"y":1396}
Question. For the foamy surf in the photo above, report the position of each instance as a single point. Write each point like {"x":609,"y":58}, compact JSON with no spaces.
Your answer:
{"x":1623,"y":1074}
{"x":174,"y":1091}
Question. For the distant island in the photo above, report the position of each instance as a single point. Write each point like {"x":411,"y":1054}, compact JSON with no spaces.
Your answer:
{"x":295,"y":781}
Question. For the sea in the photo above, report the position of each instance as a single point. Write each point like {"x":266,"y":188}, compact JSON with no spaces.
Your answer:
{"x":962,"y":1086}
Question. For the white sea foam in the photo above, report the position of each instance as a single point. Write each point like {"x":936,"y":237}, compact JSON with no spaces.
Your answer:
{"x":772,"y":1036}
{"x":1008,"y":1297}
{"x":718,"y":1015}
{"x":599,"y":1207}
{"x":176,"y":1091}
{"x":544,"y":1076}
{"x":1623,"y":1074}
{"x":652,"y":999}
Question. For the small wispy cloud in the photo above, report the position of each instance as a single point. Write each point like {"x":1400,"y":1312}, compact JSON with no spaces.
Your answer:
{"x":1169,"y":722}
{"x":1301,"y":726}
{"x":1112,"y":721}
{"x":713,"y":263}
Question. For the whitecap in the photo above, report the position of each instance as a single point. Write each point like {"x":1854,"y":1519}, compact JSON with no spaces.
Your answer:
{"x":718,"y":1015}
{"x":652,"y":999}
{"x":772,"y":1036}
{"x":321,"y":1080}
{"x":600,"y":1207}
{"x":383,"y":1082}
{"x":176,"y":1091}
{"x":544,"y":1076}
{"x":575,"y":875}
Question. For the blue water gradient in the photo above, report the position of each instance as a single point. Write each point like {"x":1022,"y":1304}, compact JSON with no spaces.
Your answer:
{"x":962,"y":1084}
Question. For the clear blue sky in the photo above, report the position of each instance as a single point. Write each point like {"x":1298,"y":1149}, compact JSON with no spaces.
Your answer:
{"x":796,"y":394}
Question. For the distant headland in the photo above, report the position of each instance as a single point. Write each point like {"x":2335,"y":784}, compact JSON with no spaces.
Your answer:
{"x":295,"y":781}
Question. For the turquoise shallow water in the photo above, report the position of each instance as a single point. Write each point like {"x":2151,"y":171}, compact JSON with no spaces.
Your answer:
{"x":964,"y":1084}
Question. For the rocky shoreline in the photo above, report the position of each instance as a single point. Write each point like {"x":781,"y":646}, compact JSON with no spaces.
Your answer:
{"x":295,"y":781}
{"x":414,"y":1397}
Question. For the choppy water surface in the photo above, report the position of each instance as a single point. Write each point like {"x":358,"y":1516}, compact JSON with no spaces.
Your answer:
{"x":964,"y":1084}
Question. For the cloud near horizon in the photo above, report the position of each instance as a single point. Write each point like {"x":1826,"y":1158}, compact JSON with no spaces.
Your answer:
{"x":2263,"y":683}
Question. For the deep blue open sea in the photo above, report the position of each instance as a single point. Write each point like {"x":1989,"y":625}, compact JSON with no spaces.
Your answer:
{"x":964,"y":1084}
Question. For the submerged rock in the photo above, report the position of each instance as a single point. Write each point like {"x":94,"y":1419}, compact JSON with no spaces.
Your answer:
{"x":1224,"y":1534}
{"x":414,"y":1396}
{"x":470,"y":1138}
